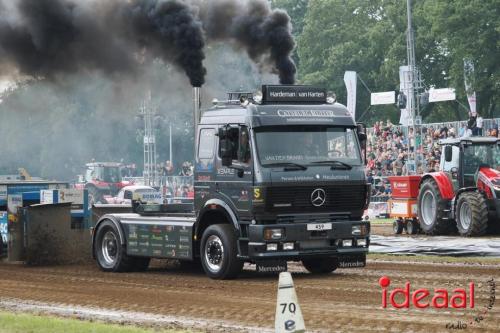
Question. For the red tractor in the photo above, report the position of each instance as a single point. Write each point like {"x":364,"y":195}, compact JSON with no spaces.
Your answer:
{"x":465,"y":193}
{"x":102,"y":179}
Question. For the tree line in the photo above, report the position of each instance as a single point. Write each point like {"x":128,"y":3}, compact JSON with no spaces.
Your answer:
{"x":369,"y":37}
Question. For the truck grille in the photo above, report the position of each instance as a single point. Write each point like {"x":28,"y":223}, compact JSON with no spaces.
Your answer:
{"x":339,"y":198}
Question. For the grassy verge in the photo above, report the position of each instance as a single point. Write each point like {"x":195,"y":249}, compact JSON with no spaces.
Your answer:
{"x":27,"y":323}
{"x":434,"y":259}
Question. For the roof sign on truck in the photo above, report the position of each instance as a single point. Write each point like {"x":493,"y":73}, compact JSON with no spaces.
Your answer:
{"x":293,"y":94}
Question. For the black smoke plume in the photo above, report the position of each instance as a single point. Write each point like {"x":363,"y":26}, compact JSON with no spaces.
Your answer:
{"x":264,"y":33}
{"x":46,"y":38}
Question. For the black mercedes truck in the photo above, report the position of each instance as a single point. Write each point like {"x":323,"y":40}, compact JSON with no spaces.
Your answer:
{"x":279,"y":176}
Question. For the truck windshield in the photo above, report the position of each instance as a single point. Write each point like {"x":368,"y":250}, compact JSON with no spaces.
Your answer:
{"x":307,"y":145}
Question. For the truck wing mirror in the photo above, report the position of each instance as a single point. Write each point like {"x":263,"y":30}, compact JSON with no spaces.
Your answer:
{"x":448,"y":153}
{"x":362,"y":137}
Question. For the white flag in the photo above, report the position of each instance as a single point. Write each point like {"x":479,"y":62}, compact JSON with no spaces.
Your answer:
{"x":404,"y":86}
{"x":468,"y":81}
{"x":350,"y":80}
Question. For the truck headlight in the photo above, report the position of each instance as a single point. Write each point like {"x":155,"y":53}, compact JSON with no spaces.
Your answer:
{"x":361,"y":242}
{"x":347,"y":242}
{"x":272,"y":247}
{"x":288,"y":246}
{"x":273,"y":233}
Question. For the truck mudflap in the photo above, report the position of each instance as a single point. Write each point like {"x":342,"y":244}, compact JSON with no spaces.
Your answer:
{"x":159,"y":239}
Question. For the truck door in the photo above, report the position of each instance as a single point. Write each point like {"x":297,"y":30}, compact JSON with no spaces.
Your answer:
{"x":234,"y":183}
{"x":204,"y":168}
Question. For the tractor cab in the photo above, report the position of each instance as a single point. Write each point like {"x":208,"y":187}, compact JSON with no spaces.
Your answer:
{"x":463,"y":159}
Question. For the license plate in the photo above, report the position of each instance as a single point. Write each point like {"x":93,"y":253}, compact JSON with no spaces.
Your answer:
{"x":319,"y":226}
{"x":271,"y":266}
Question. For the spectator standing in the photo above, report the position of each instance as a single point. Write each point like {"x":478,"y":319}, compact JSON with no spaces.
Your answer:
{"x":472,"y":123}
{"x":479,"y":122}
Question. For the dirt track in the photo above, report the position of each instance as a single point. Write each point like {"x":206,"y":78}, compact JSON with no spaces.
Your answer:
{"x":348,"y":300}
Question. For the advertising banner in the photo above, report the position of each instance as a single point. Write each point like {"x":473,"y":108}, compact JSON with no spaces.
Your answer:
{"x":380,"y":98}
{"x":404,"y":85}
{"x":3,"y":227}
{"x":469,"y":84}
{"x":350,"y":80}
{"x":441,"y":95}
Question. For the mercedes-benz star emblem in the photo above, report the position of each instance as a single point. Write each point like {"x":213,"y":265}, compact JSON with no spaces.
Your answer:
{"x":318,"y":197}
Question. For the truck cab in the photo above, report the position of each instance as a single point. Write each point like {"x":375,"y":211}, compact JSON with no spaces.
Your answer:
{"x":278,"y":178}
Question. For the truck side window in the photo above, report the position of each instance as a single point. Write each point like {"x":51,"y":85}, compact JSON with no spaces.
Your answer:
{"x":244,"y":146}
{"x":206,"y":149}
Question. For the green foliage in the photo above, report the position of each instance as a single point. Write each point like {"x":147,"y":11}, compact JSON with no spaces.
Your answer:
{"x":369,"y":37}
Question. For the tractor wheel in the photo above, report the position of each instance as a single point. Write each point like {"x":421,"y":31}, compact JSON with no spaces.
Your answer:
{"x":218,"y":252}
{"x":472,"y":214}
{"x":397,"y":227}
{"x":321,"y":265}
{"x":431,"y":210}
{"x":411,"y":227}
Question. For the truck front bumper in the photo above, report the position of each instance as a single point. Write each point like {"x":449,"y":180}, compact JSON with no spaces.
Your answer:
{"x":297,"y":242}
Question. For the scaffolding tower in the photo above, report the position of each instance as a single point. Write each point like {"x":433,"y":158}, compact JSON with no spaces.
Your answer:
{"x":150,"y":171}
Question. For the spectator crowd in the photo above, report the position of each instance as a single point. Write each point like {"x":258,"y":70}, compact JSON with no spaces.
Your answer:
{"x":389,"y":147}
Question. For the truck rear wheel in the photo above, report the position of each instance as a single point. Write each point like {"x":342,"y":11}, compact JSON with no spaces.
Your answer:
{"x":218,"y":252}
{"x":431,"y":210}
{"x":472,"y":214}
{"x":110,"y":254}
{"x":321,"y":265}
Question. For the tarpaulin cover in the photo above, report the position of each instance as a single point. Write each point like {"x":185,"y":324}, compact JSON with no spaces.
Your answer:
{"x":436,"y":245}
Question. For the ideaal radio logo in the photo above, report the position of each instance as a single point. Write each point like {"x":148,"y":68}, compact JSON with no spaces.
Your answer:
{"x":440,"y":298}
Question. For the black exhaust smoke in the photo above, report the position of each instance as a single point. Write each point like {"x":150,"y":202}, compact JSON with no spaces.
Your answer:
{"x":50,"y":38}
{"x":264,"y":33}
{"x":47,"y":38}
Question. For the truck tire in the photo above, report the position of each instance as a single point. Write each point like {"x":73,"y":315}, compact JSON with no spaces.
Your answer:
{"x":321,"y":265}
{"x":472,"y":214}
{"x":218,"y":252}
{"x":110,"y":254}
{"x":431,"y":207}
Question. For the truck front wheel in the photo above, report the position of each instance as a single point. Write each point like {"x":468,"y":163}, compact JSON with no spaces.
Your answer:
{"x":321,"y":265}
{"x":218,"y":252}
